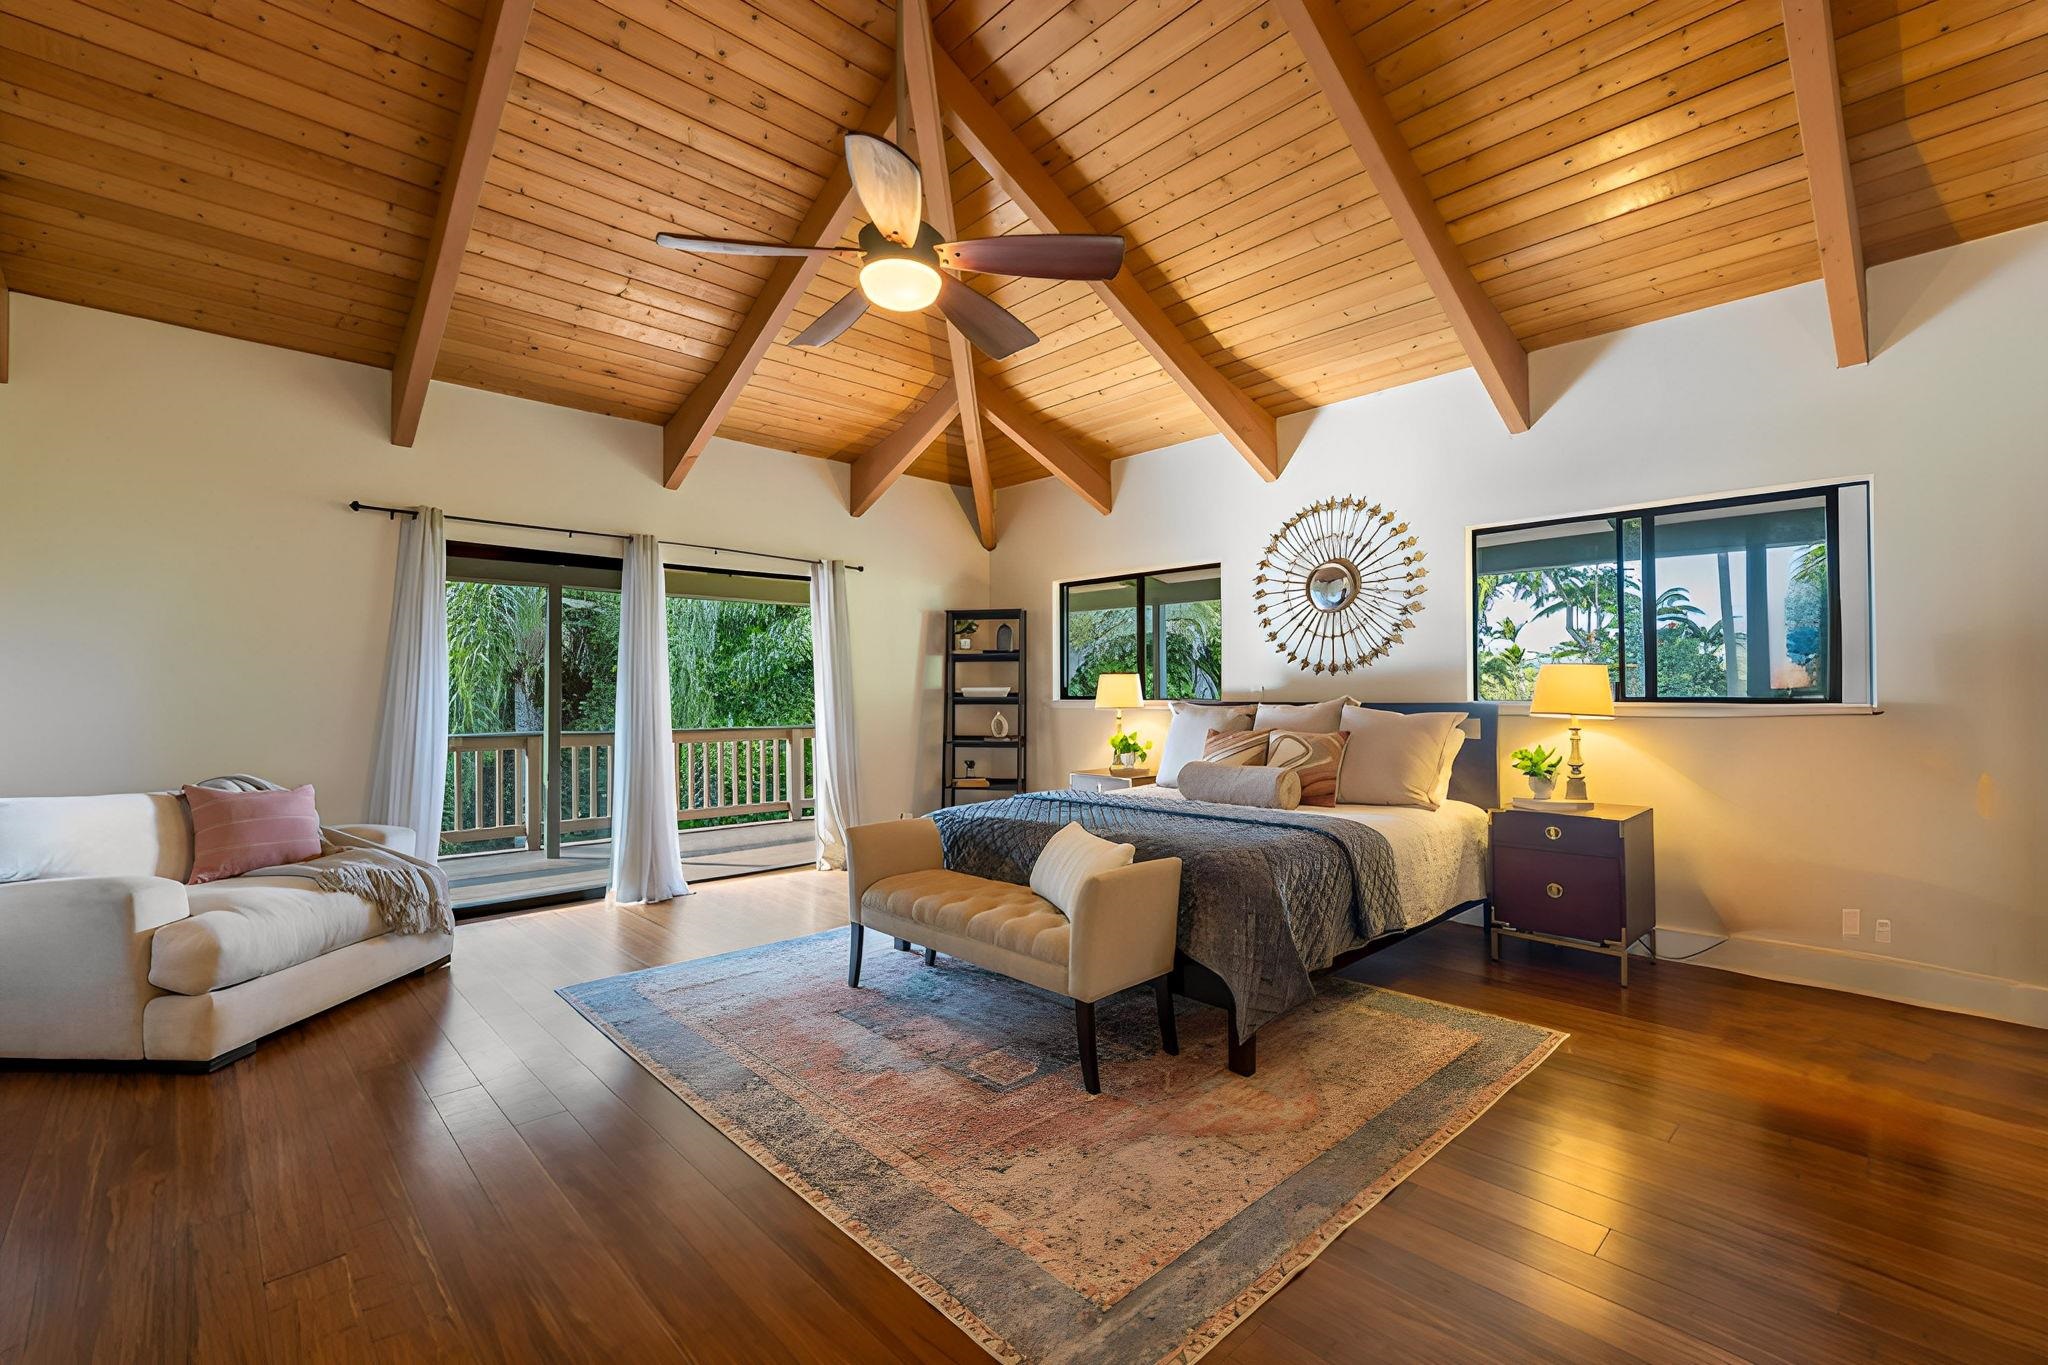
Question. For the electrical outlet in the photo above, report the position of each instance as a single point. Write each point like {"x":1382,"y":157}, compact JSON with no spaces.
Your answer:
{"x":1884,"y":931}
{"x":1852,"y":924}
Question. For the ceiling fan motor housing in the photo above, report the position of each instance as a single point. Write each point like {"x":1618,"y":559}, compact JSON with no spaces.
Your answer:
{"x":902,"y":279}
{"x":925,"y":249}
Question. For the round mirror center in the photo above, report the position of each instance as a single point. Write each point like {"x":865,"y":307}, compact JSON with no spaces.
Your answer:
{"x":1332,"y":585}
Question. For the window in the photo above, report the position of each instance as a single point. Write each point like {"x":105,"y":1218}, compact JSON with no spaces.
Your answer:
{"x":1166,"y":627}
{"x":1763,"y":598}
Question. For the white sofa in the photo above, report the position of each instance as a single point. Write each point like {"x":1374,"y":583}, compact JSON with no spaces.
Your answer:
{"x":106,"y":954}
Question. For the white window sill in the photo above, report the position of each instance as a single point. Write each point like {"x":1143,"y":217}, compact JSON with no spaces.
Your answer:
{"x":1696,"y":710}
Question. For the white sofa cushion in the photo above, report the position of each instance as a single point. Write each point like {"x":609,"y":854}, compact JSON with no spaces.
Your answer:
{"x":246,"y":927}
{"x":135,"y":834}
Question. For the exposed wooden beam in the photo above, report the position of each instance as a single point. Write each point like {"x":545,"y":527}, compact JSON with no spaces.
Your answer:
{"x":916,"y":48}
{"x":500,"y":35}
{"x":686,"y":434}
{"x":1086,"y":474}
{"x":1817,"y":95}
{"x":1354,"y":97}
{"x":1010,"y":164}
{"x":896,"y":452}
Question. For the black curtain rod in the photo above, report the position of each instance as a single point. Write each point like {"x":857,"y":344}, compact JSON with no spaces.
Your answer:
{"x":359,"y":506}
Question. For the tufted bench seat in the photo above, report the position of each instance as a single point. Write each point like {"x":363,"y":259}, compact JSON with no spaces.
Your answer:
{"x":1119,"y":932}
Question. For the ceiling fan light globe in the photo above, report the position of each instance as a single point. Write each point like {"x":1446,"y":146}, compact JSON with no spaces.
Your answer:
{"x":899,"y":284}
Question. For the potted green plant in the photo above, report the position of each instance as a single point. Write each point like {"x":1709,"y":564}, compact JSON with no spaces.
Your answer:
{"x":963,"y":635}
{"x":1127,"y":751}
{"x":1540,"y":766}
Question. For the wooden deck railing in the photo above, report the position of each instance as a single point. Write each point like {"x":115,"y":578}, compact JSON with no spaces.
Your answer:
{"x":494,"y":781}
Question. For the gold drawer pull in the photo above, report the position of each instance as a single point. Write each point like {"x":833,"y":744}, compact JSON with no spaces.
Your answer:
{"x":1556,"y":891}
{"x":1552,"y":832}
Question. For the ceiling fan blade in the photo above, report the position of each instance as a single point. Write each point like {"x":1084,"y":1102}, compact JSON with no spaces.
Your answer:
{"x":732,"y":246}
{"x":992,"y":328}
{"x":889,"y":186}
{"x":1041,"y":256}
{"x":833,"y":321}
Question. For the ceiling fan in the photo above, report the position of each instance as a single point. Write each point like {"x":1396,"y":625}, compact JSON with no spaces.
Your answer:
{"x":900,"y":257}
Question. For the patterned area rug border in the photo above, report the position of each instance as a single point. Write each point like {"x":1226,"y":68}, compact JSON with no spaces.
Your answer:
{"x":1197,"y":1343}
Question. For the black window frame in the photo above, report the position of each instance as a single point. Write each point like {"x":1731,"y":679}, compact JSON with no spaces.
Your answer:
{"x":1137,"y":581}
{"x":1830,"y":493}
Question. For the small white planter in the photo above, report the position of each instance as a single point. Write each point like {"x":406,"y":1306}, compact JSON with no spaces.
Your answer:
{"x":1541,"y":787}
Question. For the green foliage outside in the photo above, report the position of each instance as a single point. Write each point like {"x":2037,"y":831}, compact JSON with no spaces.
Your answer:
{"x":1693,"y":657}
{"x":1106,"y":641}
{"x":731,"y":664}
{"x":1581,"y":600}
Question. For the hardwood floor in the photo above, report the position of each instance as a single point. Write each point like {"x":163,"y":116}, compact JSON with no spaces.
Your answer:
{"x":459,"y":1167}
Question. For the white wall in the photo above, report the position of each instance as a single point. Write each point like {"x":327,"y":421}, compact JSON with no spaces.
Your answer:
{"x":1930,"y":814}
{"x":183,"y":593}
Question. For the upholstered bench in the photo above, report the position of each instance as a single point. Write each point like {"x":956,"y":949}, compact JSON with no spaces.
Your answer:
{"x":1118,"y":932}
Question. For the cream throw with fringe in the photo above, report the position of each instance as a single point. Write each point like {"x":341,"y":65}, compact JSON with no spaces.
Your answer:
{"x":410,"y":893}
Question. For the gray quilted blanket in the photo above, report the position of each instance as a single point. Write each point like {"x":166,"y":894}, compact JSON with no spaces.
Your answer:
{"x":1266,"y":896}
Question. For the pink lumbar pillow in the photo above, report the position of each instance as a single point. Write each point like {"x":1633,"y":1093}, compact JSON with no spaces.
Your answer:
{"x":238,"y":832}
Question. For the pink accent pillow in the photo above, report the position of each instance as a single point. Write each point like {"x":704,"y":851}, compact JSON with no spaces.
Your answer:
{"x":238,"y":832}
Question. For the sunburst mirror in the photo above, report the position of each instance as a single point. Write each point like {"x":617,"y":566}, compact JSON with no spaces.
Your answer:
{"x":1340,"y":582}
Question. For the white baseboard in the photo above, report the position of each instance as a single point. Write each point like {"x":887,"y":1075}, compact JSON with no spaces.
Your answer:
{"x":1841,"y":969}
{"x":1887,"y":978}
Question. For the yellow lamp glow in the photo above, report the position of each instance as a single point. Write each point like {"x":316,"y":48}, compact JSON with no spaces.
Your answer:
{"x":899,"y":284}
{"x":1584,"y":690}
{"x":1115,"y":691}
{"x":1577,"y":692}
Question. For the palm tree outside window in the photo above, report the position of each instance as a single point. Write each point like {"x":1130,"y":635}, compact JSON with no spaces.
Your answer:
{"x":1742,"y":599}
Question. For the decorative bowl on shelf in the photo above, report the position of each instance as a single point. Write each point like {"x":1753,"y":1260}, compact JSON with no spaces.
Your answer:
{"x":990,"y":693}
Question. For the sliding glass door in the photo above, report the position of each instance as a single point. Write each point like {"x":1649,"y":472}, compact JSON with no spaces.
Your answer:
{"x":739,"y":651}
{"x":533,"y":688}
{"x":533,"y":646}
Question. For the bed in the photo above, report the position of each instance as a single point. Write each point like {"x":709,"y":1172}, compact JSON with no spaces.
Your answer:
{"x":1270,"y":899}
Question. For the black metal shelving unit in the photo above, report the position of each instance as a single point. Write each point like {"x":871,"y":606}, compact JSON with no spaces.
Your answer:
{"x":960,"y":749}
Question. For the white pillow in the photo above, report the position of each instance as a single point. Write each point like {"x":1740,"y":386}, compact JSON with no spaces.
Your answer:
{"x":1070,"y":858}
{"x":1442,"y":791}
{"x":1305,"y":718}
{"x":1190,"y":727}
{"x":1398,"y":759}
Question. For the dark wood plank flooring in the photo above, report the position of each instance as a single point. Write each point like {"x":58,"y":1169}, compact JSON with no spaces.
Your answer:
{"x":458,"y":1167}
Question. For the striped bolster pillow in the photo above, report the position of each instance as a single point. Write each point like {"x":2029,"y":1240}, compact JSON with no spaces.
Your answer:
{"x":238,"y":832}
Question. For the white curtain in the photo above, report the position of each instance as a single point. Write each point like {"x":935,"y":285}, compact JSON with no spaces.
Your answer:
{"x":838,"y":794}
{"x":647,"y":856}
{"x":410,"y":768}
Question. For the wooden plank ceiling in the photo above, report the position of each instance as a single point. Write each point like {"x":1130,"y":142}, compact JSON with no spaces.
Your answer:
{"x":271,"y":169}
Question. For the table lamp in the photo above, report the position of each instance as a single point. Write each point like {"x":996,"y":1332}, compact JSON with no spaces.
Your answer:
{"x":1115,"y":691}
{"x":1576,"y":692}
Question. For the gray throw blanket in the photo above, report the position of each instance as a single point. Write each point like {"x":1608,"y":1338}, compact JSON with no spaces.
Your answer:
{"x":411,"y":894}
{"x":1266,"y":896}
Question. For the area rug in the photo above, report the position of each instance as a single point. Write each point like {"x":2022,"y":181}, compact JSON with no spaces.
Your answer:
{"x":937,"y":1116}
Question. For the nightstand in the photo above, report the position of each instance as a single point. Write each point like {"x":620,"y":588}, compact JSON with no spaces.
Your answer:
{"x":1108,"y":779}
{"x":1584,"y":879}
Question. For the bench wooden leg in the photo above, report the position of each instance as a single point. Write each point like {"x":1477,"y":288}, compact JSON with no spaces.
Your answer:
{"x":1084,"y":1029}
{"x":931,"y":957}
{"x":1169,"y":1037}
{"x":853,"y":947}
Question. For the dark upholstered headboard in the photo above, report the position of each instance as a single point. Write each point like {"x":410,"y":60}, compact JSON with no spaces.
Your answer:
{"x":1475,"y":773}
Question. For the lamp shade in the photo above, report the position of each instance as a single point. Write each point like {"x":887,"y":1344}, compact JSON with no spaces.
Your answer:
{"x":1583,"y":690}
{"x":1115,"y":691}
